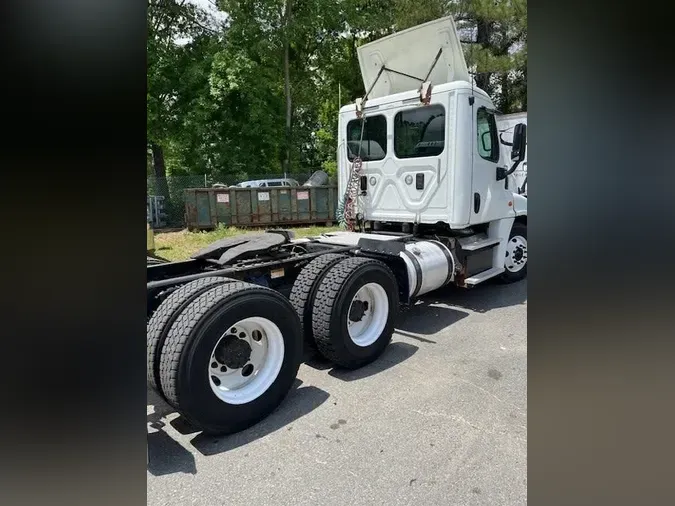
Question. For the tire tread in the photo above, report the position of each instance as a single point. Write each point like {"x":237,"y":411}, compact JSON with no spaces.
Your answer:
{"x":182,"y":329}
{"x":308,"y":278}
{"x":324,"y":301}
{"x":163,"y":318}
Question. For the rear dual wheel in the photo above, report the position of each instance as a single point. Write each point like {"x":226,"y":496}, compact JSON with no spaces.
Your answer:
{"x":304,"y":291}
{"x":165,"y":316}
{"x":354,"y":311}
{"x":229,"y":355}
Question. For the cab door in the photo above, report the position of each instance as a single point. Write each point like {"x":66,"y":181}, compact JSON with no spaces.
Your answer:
{"x":408,"y":180}
{"x":490,"y":199}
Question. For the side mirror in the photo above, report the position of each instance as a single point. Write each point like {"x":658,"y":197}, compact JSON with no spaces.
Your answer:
{"x":519,"y":143}
{"x":517,"y":151}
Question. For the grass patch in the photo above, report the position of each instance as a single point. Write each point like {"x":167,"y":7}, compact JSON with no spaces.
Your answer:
{"x":180,"y":245}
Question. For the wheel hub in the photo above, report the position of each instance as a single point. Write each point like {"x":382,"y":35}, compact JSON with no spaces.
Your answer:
{"x":246,"y":360}
{"x":233,"y":352}
{"x":516,"y":254}
{"x":367,"y":314}
{"x":358,"y":310}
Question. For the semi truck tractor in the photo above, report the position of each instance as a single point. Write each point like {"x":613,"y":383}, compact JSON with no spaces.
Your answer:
{"x":426,"y":204}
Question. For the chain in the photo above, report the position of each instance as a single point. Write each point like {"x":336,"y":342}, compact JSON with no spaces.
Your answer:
{"x":351,"y":192}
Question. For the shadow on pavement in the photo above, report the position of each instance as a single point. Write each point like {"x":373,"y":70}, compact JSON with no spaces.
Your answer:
{"x":393,"y":355}
{"x":315,"y":360}
{"x":300,"y":401}
{"x":484,"y":297}
{"x":425,"y":319}
{"x":165,"y":454}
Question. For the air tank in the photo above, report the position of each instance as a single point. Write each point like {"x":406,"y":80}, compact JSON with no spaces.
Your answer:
{"x":430,"y":266}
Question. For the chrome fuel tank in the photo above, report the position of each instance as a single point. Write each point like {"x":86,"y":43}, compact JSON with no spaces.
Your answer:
{"x":430,"y":266}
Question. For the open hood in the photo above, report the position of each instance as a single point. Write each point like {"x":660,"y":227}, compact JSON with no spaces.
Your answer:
{"x":413,"y":52}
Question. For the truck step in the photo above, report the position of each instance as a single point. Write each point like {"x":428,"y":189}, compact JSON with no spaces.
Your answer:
{"x":483,"y":276}
{"x":475,"y":243}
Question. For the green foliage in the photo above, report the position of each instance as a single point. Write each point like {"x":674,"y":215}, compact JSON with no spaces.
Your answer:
{"x":216,"y":101}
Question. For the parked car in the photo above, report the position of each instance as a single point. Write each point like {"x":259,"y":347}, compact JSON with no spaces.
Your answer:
{"x":266,"y":183}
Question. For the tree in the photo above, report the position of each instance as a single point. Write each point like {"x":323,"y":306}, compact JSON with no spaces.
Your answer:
{"x":169,"y":65}
{"x":259,"y":93}
{"x":494,"y":33}
{"x":496,"y":47}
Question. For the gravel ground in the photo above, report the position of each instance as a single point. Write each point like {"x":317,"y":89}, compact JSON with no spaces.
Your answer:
{"x":440,"y":418}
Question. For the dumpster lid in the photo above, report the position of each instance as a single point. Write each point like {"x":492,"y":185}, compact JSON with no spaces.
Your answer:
{"x":413,"y":52}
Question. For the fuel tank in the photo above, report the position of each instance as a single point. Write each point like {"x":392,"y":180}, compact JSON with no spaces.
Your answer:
{"x":430,"y":266}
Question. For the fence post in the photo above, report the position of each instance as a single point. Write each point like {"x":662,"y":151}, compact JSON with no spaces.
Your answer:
{"x":205,"y":181}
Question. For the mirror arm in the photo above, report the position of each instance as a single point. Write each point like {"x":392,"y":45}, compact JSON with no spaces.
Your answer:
{"x":513,"y":167}
{"x":503,"y":173}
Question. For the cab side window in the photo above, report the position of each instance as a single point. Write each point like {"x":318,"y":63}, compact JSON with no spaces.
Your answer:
{"x":419,"y":132}
{"x":371,"y":144}
{"x":488,"y":140}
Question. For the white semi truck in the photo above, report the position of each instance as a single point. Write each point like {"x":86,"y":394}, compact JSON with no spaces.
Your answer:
{"x":506,"y":124}
{"x":426,"y":205}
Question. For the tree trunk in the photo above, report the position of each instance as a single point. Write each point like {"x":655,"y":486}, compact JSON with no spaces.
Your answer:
{"x":358,"y":89}
{"x":287,"y":86}
{"x":506,"y":103}
{"x":483,"y":32}
{"x":523,"y":91}
{"x":159,"y":169}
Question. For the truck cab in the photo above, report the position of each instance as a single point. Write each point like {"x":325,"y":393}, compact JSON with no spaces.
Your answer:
{"x":428,"y":163}
{"x":424,"y":159}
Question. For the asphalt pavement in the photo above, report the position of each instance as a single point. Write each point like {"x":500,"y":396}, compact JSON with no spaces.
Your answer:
{"x":439,"y":419}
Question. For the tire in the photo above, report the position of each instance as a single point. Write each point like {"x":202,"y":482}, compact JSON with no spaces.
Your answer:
{"x":163,"y":318}
{"x":304,"y":290}
{"x":187,"y":358}
{"x":517,"y":240}
{"x":331,"y":308}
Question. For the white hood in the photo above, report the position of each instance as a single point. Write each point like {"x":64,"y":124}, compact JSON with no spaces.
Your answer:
{"x":412,"y":52}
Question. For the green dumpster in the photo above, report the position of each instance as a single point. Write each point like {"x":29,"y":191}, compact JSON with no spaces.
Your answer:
{"x":206,"y":208}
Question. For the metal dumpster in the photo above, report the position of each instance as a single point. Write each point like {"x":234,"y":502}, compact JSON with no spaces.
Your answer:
{"x":206,"y":208}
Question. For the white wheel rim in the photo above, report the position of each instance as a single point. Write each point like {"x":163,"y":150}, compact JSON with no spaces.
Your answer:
{"x":239,"y":376}
{"x":367,"y":314}
{"x":516,"y":253}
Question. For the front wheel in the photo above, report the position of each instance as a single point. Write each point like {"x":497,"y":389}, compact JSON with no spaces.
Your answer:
{"x":515,"y":261}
